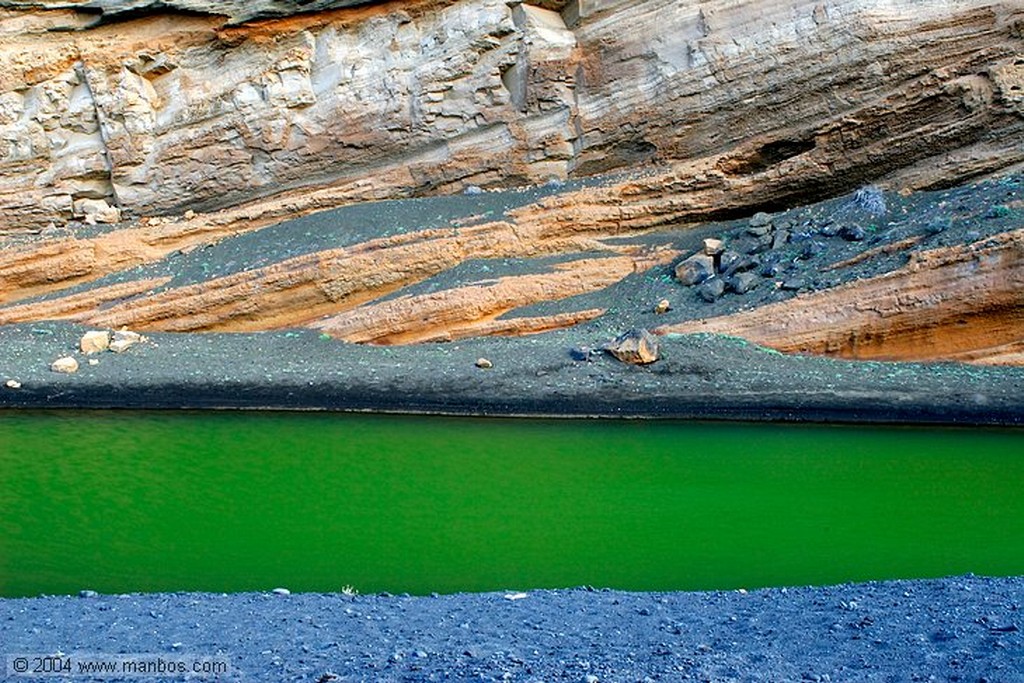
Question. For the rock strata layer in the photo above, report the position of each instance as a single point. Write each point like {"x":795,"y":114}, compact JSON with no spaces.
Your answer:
{"x":135,"y":136}
{"x":962,"y":303}
{"x":161,"y":113}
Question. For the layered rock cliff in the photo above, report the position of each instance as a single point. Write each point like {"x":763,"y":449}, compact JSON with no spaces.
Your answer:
{"x":186,"y":124}
{"x":167,"y":112}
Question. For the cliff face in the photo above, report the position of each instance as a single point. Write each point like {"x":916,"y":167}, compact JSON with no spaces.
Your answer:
{"x":235,"y":11}
{"x":190,"y":124}
{"x":163,"y":113}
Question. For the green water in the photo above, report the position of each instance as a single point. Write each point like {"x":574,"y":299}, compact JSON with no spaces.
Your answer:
{"x":120,"y":502}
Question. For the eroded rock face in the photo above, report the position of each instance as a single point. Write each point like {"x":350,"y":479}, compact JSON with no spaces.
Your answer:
{"x":237,"y":11}
{"x":479,"y":310}
{"x":166,"y":113}
{"x":963,"y":303}
{"x":225,"y":128}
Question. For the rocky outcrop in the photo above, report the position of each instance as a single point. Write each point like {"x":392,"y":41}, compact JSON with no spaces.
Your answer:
{"x":174,"y":125}
{"x":161,"y":113}
{"x":301,"y":290}
{"x":236,"y":11}
{"x":962,"y":303}
{"x":478,"y":310}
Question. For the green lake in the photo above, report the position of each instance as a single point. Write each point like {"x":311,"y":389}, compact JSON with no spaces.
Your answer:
{"x":234,"y":501}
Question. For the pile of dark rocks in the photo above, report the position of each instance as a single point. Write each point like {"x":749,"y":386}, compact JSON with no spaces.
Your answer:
{"x":768,"y":251}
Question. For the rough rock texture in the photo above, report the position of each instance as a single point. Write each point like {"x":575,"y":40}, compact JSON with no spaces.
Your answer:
{"x":237,"y":11}
{"x":637,"y":346}
{"x":716,"y":110}
{"x":957,"y":303}
{"x":449,"y":268}
{"x":300,"y":290}
{"x":161,"y":113}
{"x":477,"y":310}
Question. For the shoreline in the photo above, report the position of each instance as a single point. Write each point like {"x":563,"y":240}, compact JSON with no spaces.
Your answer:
{"x":703,"y":377}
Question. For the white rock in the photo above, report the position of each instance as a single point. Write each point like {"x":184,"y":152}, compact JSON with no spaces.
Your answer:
{"x":713,"y":246}
{"x":67,"y":365}
{"x":484,"y":363}
{"x":124,"y":340}
{"x":97,"y":211}
{"x":13,"y":384}
{"x":94,"y":341}
{"x":370,"y":93}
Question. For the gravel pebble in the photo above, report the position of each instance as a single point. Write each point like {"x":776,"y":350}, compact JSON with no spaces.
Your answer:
{"x":882,"y":631}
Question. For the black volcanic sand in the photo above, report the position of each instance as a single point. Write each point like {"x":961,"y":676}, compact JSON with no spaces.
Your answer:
{"x":957,"y":629}
{"x":702,"y":376}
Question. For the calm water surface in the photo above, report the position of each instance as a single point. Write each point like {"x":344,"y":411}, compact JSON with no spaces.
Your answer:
{"x":129,"y":501}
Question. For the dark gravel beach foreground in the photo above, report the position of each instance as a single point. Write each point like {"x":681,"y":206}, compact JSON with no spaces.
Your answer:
{"x":699,"y":376}
{"x":955,"y":629}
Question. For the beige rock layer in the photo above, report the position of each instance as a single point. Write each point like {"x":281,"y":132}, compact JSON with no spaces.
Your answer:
{"x":162,"y":113}
{"x":300,"y":290}
{"x":960,"y":303}
{"x":48,"y":265}
{"x":475,"y":310}
{"x":236,"y":11}
{"x":81,"y":305}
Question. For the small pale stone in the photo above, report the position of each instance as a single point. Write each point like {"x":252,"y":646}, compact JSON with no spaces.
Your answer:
{"x":124,"y":340}
{"x":13,"y":384}
{"x":663,"y":307}
{"x":713,"y":246}
{"x":190,"y":214}
{"x":484,"y":363}
{"x":97,"y":211}
{"x":67,"y":365}
{"x":95,"y":341}
{"x":281,"y":591}
{"x":94,"y":361}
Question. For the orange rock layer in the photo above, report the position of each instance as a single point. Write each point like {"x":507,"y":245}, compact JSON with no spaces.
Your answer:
{"x":302,"y":290}
{"x":963,"y":303}
{"x":476,"y":310}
